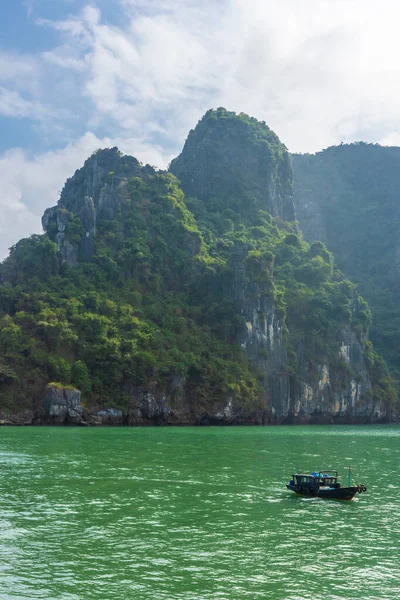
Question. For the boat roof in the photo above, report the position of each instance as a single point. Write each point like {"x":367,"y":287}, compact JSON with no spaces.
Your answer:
{"x":327,"y":472}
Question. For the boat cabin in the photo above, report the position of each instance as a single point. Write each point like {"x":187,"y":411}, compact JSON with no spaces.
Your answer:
{"x":323,"y":484}
{"x":318,"y":480}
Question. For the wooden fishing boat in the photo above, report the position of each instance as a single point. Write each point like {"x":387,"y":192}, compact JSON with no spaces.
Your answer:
{"x":323,"y":484}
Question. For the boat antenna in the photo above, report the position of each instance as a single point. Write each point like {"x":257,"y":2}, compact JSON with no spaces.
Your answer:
{"x":349,"y":477}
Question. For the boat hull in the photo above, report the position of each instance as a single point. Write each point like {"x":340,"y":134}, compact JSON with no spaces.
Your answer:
{"x":342,"y":493}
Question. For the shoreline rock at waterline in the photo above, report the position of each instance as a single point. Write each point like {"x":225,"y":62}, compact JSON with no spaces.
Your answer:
{"x":62,"y":405}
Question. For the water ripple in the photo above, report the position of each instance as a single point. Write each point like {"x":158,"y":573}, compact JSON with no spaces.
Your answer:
{"x":195,"y":514}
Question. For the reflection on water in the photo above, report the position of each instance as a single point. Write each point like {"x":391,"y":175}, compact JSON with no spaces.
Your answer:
{"x":195,"y":514}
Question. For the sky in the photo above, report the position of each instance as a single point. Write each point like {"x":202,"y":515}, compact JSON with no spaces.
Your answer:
{"x":139,"y":74}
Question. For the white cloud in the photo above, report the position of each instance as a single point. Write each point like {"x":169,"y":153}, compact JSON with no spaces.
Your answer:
{"x":391,"y":139}
{"x":17,"y":67}
{"x":30,"y":184}
{"x":60,"y":58}
{"x":317,"y":71}
{"x":75,"y":27}
{"x":29,"y":5}
{"x":24,"y":91}
{"x":13,"y":105}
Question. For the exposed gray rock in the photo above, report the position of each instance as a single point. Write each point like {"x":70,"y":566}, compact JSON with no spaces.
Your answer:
{"x":68,"y":252}
{"x":87,"y":213}
{"x":49,"y":215}
{"x":97,"y":192}
{"x":150,"y":406}
{"x":62,"y":405}
{"x":223,"y":158}
{"x":54,"y":223}
{"x":316,"y":399}
{"x":92,"y":194}
{"x":25,"y":417}
{"x":147,"y":404}
{"x":56,"y":215}
{"x":110,"y":416}
{"x":313,"y":223}
{"x":104,"y":170}
{"x":108,"y":202}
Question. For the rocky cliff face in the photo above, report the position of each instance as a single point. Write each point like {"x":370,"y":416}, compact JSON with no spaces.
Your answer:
{"x":93,"y":194}
{"x":62,"y":405}
{"x":336,"y":390}
{"x":202,"y":305}
{"x":239,"y":161}
{"x":327,"y":396}
{"x":334,"y":387}
{"x":348,"y":197}
{"x":262,"y":335}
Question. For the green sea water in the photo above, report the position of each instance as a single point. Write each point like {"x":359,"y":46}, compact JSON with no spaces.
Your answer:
{"x":196,"y":513}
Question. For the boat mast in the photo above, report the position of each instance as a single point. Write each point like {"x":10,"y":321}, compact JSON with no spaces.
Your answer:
{"x":349,"y":478}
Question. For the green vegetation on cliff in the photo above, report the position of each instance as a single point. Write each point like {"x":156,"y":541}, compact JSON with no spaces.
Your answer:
{"x":234,"y":162}
{"x":348,"y":197}
{"x":133,"y":285}
{"x":126,"y":317}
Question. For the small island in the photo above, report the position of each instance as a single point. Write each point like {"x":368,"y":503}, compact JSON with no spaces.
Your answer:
{"x":186,"y":296}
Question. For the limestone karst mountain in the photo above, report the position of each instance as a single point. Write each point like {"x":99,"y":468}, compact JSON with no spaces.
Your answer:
{"x":188,"y":296}
{"x":348,"y":197}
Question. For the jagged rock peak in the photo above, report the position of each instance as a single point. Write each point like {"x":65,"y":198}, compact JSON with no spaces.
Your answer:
{"x":92,"y":194}
{"x":238,"y":161}
{"x":104,"y":168}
